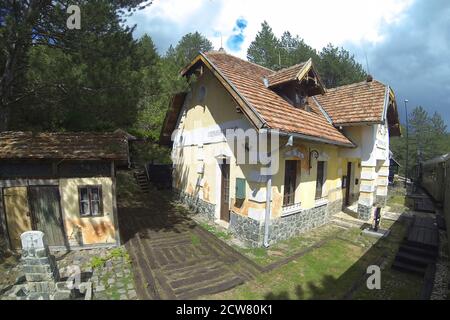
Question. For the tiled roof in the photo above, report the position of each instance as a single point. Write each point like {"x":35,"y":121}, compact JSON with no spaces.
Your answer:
{"x":354,"y":103}
{"x":285,"y":75}
{"x":70,"y":146}
{"x":247,"y":79}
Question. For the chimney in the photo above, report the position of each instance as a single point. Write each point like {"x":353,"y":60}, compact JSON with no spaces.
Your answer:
{"x":369,"y":78}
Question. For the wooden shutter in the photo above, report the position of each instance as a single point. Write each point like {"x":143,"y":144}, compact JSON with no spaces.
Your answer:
{"x":240,"y":188}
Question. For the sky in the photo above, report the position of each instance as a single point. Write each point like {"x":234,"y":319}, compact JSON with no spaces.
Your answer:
{"x":403,"y":43}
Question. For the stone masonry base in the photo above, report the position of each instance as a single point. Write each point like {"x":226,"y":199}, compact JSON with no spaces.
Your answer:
{"x":364,"y":212}
{"x":197,"y":205}
{"x":251,"y":232}
{"x":380,"y":201}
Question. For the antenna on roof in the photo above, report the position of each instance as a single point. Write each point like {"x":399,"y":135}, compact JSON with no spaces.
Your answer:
{"x":367,"y":61}
{"x":221,"y":49}
{"x":369,"y":76}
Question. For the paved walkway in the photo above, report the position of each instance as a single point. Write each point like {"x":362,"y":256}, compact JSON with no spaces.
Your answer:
{"x":174,"y":258}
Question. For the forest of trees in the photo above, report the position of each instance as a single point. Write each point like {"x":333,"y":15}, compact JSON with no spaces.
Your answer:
{"x":335,"y":65}
{"x":428,"y":138}
{"x":100,"y":78}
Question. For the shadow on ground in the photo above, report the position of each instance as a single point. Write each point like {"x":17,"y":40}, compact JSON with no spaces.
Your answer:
{"x":352,"y":284}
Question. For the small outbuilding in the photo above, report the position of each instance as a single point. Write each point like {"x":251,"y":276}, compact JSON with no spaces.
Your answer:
{"x":62,"y":184}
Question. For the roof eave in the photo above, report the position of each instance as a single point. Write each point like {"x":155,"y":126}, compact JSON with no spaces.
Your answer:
{"x":357,"y":123}
{"x":318,"y":139}
{"x":164,"y":138}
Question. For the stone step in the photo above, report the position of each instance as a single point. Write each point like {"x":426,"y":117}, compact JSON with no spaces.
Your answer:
{"x":418,"y":251}
{"x":405,"y":267}
{"x":413,"y":259}
{"x":346,"y":223}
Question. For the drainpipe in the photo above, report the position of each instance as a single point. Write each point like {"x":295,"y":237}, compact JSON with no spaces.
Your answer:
{"x":268,"y":209}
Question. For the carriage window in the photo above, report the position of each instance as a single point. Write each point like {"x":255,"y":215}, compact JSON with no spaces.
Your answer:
{"x":90,"y":199}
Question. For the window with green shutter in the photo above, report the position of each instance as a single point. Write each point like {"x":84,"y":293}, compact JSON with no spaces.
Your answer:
{"x":240,"y":188}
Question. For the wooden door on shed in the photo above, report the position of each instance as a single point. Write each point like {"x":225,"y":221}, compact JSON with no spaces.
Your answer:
{"x":18,"y":217}
{"x":46,"y":210}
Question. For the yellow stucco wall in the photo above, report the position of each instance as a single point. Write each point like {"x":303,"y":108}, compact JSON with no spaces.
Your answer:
{"x":94,"y":230}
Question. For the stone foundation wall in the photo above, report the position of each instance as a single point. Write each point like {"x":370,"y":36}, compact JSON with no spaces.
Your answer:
{"x":294,"y":224}
{"x":364,"y":212}
{"x":251,"y":232}
{"x":380,"y":201}
{"x":247,"y":230}
{"x":335,"y":206}
{"x":205,"y":209}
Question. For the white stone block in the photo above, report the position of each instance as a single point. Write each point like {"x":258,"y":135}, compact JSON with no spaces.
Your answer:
{"x":366,"y":188}
{"x":382,"y":192}
{"x":368,"y":175}
{"x":384,"y":173}
{"x":33,"y":240}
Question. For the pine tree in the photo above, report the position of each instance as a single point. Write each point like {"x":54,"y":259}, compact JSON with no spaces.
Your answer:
{"x":189,"y":47}
{"x":265,"y":49}
{"x":294,"y":50}
{"x":338,"y":67}
{"x":41,"y":25}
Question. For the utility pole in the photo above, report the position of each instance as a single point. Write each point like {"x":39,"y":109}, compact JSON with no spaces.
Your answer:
{"x":407,"y":145}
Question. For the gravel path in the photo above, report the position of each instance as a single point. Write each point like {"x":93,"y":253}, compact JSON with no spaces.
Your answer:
{"x":441,"y":278}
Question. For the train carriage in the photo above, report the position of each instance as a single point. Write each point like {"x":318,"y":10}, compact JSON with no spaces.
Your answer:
{"x":434,"y":174}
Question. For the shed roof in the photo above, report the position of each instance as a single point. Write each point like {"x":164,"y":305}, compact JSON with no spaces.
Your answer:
{"x":66,"y":145}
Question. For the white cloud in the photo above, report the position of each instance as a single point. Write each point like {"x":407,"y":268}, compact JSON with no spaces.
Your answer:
{"x":318,"y":22}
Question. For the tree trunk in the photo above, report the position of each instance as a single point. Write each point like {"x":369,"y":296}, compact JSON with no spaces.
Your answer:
{"x":4,"y":118}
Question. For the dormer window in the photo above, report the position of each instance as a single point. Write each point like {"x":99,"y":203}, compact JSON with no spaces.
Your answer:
{"x":295,"y":84}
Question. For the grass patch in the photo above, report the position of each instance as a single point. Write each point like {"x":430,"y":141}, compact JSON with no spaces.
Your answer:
{"x":313,"y":276}
{"x":195,"y":240}
{"x":116,"y":253}
{"x":221,"y":234}
{"x":334,"y":270}
{"x":397,"y":200}
{"x":287,"y":248}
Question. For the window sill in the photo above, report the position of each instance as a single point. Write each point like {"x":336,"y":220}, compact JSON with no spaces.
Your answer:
{"x":291,"y":209}
{"x":321,"y":202}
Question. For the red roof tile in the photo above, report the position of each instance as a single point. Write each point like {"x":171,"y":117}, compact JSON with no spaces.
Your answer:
{"x":247,"y":79}
{"x":70,"y":146}
{"x":285,"y":75}
{"x":355,"y":103}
